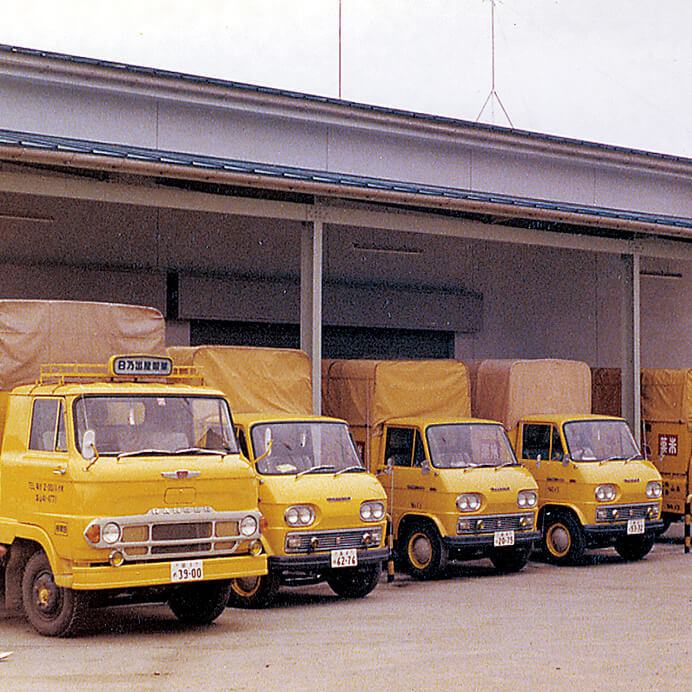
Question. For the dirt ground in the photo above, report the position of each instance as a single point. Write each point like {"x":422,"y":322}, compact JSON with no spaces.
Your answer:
{"x":602,"y":625}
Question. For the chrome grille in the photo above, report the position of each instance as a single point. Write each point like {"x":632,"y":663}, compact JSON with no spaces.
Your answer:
{"x":490,"y":523}
{"x":180,"y":532}
{"x":614,"y":513}
{"x":153,"y":537}
{"x":319,"y":541}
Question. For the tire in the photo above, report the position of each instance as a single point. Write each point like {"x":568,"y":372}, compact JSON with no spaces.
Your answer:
{"x":563,"y":539}
{"x":52,"y":610}
{"x":422,"y":552}
{"x":354,"y":582}
{"x":634,"y":548}
{"x":508,"y":560}
{"x":199,"y":603}
{"x":253,"y":592}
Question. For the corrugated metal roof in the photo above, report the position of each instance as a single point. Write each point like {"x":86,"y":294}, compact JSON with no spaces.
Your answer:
{"x":424,"y":117}
{"x":32,"y":141}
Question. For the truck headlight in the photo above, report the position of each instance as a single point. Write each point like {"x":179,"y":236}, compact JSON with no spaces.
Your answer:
{"x":110,"y":533}
{"x":372,"y":510}
{"x":248,"y":526}
{"x":299,"y":515}
{"x":527,"y":499}
{"x":469,"y":502}
{"x":654,"y":489}
{"x":606,"y":492}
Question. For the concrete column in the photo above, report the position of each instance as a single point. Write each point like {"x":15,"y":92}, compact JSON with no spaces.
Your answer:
{"x":311,"y":304}
{"x":631,"y":346}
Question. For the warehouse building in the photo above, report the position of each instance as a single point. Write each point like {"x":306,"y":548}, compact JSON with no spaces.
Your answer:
{"x":256,"y":215}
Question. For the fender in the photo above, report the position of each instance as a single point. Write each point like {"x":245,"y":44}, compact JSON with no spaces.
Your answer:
{"x":561,"y":505}
{"x":412,"y":516}
{"x":11,"y":531}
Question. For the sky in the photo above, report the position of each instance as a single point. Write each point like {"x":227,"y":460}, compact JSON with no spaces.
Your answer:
{"x":610,"y":71}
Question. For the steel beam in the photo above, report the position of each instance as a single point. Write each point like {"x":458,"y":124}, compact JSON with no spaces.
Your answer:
{"x":311,"y":245}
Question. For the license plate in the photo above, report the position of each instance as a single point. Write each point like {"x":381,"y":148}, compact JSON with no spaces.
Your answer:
{"x":347,"y":557}
{"x":635,"y":526}
{"x":187,"y":570}
{"x":503,"y":538}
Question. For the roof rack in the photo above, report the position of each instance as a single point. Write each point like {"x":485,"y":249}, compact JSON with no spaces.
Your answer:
{"x":64,"y":373}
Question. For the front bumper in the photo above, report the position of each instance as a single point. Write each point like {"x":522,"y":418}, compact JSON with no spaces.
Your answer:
{"x":318,"y":562}
{"x":159,"y":573}
{"x":485,"y":541}
{"x":602,"y":534}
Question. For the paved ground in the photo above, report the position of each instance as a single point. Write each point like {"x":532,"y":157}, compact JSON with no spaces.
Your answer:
{"x":603,"y":625}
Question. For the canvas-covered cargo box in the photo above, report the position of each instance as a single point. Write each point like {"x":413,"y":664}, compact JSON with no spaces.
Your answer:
{"x":368,"y":392}
{"x":509,"y":390}
{"x":667,"y":395}
{"x":254,"y":379}
{"x":37,"y":332}
{"x":606,"y":391}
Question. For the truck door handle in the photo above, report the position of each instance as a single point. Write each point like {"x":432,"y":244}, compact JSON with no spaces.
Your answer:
{"x":60,"y":470}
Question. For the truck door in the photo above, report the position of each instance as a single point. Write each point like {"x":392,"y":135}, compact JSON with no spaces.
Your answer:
{"x":404,"y":454}
{"x":542,"y":453}
{"x":46,"y":458}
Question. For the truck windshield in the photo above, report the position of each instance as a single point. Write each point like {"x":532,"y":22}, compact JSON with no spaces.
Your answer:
{"x":600,"y":440}
{"x":161,"y":424}
{"x":298,"y":447}
{"x":466,"y":445}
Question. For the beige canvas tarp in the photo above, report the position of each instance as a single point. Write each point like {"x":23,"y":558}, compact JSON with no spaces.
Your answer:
{"x":667,"y":395}
{"x":253,"y":379}
{"x":508,"y":390}
{"x":37,"y":332}
{"x":369,"y":392}
{"x":606,"y":391}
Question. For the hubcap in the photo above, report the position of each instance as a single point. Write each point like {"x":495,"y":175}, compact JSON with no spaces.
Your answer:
{"x":46,"y":594}
{"x":246,"y":586}
{"x":559,"y":540}
{"x":420,"y":550}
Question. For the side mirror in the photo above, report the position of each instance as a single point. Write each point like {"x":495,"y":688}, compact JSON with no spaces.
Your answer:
{"x":425,"y":466}
{"x":89,"y":444}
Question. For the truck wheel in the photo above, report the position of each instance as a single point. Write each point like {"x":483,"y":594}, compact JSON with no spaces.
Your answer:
{"x":507,"y":560}
{"x":354,"y":582}
{"x":199,"y":603}
{"x":634,"y":548}
{"x":563,"y":539}
{"x":423,"y":554}
{"x":52,"y":610}
{"x":253,"y":592}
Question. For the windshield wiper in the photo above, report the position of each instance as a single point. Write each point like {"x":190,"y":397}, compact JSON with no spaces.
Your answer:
{"x":201,"y":450}
{"x":145,"y":452}
{"x":349,"y":469}
{"x":168,"y":452}
{"x":315,"y":469}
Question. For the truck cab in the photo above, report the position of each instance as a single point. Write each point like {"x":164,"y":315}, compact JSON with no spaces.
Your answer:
{"x":456,"y":492}
{"x":123,"y":483}
{"x":326,"y":515}
{"x":667,"y":417}
{"x":454,"y":487}
{"x":595,"y":488}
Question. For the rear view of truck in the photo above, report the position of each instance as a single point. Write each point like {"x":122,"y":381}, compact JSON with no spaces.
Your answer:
{"x":120,"y":477}
{"x":325,"y":514}
{"x":595,"y":488}
{"x":454,"y":486}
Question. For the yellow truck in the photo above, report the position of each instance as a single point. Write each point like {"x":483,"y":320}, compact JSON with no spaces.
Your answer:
{"x":667,"y":419}
{"x":595,"y":488}
{"x":326,"y":516}
{"x":120,"y":476}
{"x":454,"y":486}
